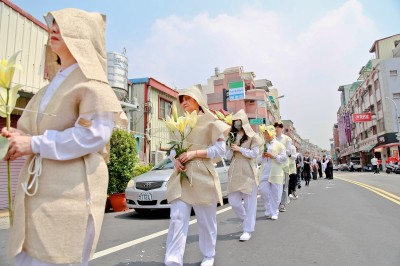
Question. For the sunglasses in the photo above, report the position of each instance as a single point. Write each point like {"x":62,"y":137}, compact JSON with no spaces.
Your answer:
{"x":281,"y":126}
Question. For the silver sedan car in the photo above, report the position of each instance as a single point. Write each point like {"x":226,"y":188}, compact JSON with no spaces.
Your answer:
{"x":149,"y":190}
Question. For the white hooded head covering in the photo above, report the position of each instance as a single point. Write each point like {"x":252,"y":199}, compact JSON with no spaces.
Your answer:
{"x":196,"y":93}
{"x":84,"y":34}
{"x":241,"y":115}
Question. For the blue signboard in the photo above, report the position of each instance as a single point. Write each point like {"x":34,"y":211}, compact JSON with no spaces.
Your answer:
{"x":236,"y":91}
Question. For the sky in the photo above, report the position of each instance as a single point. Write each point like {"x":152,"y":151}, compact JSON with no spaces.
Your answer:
{"x":306,"y":48}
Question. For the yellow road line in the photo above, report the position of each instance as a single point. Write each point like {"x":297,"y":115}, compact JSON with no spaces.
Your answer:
{"x":380,"y":192}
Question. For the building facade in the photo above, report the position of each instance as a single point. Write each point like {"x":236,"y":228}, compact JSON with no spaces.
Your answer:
{"x":368,"y":117}
{"x":154,"y":101}
{"x":257,"y":101}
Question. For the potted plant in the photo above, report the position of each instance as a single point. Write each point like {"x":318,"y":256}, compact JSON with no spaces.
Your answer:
{"x":123,"y":159}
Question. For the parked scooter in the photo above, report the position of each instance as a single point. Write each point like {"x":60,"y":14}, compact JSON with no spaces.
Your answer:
{"x":391,"y":168}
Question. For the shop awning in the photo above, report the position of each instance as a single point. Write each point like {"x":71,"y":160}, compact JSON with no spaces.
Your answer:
{"x":387,"y":145}
{"x":368,"y":148}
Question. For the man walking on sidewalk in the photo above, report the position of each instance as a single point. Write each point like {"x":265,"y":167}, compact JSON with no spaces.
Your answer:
{"x":374,"y":162}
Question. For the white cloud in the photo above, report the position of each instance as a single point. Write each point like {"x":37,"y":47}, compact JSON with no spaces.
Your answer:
{"x":306,"y":66}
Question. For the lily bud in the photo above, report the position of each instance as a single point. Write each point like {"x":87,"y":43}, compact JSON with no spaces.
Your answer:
{"x":175,"y":113}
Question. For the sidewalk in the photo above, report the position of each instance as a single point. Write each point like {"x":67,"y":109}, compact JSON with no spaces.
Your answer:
{"x":4,"y":219}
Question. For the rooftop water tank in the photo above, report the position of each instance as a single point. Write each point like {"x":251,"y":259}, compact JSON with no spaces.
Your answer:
{"x":117,"y":66}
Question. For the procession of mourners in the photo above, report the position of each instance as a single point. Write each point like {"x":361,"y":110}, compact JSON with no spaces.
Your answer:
{"x":65,"y":221}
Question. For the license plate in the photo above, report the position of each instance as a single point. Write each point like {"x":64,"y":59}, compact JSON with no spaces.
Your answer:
{"x":145,"y":196}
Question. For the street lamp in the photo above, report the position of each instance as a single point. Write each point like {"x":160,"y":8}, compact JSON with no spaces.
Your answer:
{"x":397,"y":116}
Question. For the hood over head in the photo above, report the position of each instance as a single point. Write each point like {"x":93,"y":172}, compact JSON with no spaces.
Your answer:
{"x":196,"y":93}
{"x":241,"y":115}
{"x":84,"y":34}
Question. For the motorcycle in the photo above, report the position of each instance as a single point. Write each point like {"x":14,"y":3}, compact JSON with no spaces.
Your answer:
{"x":391,"y":168}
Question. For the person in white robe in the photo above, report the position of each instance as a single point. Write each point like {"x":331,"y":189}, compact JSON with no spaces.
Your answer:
{"x":62,"y":188}
{"x":201,"y":190}
{"x":272,"y":177}
{"x":242,"y":184}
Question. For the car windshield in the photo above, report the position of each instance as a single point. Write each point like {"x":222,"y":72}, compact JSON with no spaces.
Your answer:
{"x":164,"y":164}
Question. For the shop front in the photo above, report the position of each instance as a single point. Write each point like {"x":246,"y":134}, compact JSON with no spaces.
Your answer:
{"x":387,"y":147}
{"x":366,"y":149}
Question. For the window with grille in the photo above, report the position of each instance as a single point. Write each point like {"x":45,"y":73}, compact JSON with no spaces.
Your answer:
{"x":164,"y":108}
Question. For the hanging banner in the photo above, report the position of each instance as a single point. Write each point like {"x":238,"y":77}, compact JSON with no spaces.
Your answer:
{"x":364,"y":117}
{"x":347,"y":123}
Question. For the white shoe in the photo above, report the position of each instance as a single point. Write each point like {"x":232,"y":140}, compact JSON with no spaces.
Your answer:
{"x":207,"y":261}
{"x":274,"y":217}
{"x":245,"y":236}
{"x":291,"y":196}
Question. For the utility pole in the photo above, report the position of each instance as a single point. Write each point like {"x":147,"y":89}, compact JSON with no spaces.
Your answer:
{"x":225,"y":95}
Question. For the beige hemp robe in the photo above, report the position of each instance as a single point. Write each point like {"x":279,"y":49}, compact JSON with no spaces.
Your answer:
{"x":243,"y":170}
{"x":51,"y":225}
{"x":205,"y":188}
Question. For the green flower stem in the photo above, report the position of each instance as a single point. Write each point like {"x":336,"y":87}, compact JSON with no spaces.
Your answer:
{"x":8,"y":125}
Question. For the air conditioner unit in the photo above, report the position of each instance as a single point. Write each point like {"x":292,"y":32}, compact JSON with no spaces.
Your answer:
{"x":160,"y":155}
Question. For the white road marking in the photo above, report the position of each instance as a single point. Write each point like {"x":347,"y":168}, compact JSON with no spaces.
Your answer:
{"x":142,"y":239}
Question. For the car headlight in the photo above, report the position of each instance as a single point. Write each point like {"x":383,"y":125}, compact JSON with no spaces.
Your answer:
{"x":131,"y":183}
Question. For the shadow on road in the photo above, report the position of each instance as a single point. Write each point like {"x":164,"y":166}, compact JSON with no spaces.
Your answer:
{"x":230,"y":236}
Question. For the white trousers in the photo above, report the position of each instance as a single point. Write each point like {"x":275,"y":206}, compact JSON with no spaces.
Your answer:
{"x":245,"y":210}
{"x":179,"y":226}
{"x":285,"y":198}
{"x":23,"y":259}
{"x":271,"y":195}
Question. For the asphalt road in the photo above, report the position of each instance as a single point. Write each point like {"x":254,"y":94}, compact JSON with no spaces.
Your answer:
{"x":353,"y":219}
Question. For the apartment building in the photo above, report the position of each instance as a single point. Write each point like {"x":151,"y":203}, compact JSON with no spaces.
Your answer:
{"x":368,"y":116}
{"x":259,"y":98}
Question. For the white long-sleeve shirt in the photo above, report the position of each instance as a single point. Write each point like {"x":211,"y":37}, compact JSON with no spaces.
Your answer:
{"x":76,"y":141}
{"x":249,"y":153}
{"x":267,"y":162}
{"x":216,"y":150}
